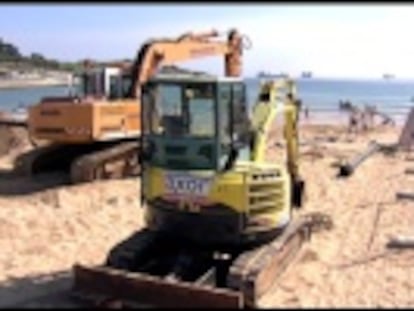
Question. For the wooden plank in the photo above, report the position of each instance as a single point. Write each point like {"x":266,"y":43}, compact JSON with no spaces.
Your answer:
{"x":260,"y":280}
{"x":151,"y":290}
{"x":207,"y":278}
{"x":409,"y":171}
{"x":254,"y":272}
{"x":407,"y":134}
{"x":405,"y":196}
{"x":348,"y":168}
{"x":13,"y":123}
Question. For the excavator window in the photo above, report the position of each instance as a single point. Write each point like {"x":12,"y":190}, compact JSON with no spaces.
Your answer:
{"x":169,"y":99}
{"x":126,"y":85}
{"x":89,"y":84}
{"x":234,"y":123}
{"x":115,"y":91}
{"x":92,"y":84}
{"x":119,"y":86}
{"x":103,"y":82}
{"x":224,"y":107}
{"x":185,"y":109}
{"x":201,"y":112}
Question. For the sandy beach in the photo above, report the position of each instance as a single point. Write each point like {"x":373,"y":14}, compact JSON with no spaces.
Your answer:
{"x":47,"y":226}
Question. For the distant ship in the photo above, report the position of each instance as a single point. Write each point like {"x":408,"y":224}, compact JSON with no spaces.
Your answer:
{"x":307,"y":74}
{"x":263,"y":74}
{"x":388,"y":76}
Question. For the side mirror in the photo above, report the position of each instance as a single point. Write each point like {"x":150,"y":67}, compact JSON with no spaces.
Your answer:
{"x":147,"y":151}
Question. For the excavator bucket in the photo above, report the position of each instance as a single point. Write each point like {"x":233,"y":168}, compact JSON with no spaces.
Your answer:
{"x":106,"y":286}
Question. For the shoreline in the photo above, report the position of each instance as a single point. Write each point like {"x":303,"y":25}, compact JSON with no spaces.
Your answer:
{"x":32,"y":83}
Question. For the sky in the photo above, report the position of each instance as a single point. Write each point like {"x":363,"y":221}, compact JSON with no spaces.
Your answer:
{"x":336,"y":40}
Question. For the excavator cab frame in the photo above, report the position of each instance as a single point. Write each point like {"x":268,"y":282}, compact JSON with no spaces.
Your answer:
{"x":194,"y":122}
{"x":109,"y":82}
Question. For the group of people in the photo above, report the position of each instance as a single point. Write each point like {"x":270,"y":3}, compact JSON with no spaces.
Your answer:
{"x":361,"y":120}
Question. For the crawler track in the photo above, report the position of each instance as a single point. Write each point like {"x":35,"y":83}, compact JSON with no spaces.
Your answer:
{"x":84,"y":163}
{"x":148,"y":270}
{"x":116,"y":161}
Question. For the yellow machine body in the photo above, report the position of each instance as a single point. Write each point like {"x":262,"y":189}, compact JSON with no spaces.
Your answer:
{"x":252,"y":199}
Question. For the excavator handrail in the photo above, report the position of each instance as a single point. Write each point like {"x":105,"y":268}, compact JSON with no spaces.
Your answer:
{"x":185,"y":36}
{"x":202,"y":35}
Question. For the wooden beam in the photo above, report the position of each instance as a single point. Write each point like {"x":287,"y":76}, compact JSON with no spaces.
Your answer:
{"x":409,"y":171}
{"x":401,"y":242}
{"x":405,"y":196}
{"x":13,"y":123}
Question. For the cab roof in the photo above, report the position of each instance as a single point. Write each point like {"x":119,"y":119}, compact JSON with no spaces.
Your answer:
{"x":174,"y":74}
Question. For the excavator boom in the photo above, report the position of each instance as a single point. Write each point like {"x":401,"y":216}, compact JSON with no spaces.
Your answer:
{"x":157,"y":53}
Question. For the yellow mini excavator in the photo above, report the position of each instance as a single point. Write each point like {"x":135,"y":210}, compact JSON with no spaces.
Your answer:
{"x":219,"y":219}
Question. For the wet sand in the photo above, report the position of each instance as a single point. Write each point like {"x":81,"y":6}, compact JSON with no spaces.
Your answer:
{"x":50,"y":226}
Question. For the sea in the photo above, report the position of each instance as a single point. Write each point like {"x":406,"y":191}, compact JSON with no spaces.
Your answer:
{"x":321,"y":96}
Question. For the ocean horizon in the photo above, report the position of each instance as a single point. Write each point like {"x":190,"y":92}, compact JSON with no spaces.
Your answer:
{"x":320,"y":95}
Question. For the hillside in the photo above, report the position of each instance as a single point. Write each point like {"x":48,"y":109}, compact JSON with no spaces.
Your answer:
{"x":11,"y":59}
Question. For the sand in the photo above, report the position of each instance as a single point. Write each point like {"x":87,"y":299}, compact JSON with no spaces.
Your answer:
{"x":49,"y":226}
{"x":10,"y":84}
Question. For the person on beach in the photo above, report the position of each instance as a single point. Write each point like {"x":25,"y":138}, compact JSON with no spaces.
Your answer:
{"x":370,"y":112}
{"x":306,"y":112}
{"x":363,"y":116}
{"x":353,"y":121}
{"x":388,"y":121}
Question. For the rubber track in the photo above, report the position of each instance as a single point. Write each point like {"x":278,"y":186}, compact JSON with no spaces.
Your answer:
{"x":25,"y":163}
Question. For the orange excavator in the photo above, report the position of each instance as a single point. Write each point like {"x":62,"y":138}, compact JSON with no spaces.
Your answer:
{"x":94,"y":133}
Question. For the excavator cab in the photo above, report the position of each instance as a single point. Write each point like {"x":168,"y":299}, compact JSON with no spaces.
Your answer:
{"x":107,"y":82}
{"x":197,"y":122}
{"x":199,"y":144}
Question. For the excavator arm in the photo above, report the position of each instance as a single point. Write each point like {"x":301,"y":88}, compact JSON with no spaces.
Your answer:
{"x":292,"y":110}
{"x":291,"y":132}
{"x":159,"y":52}
{"x":264,"y":113}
